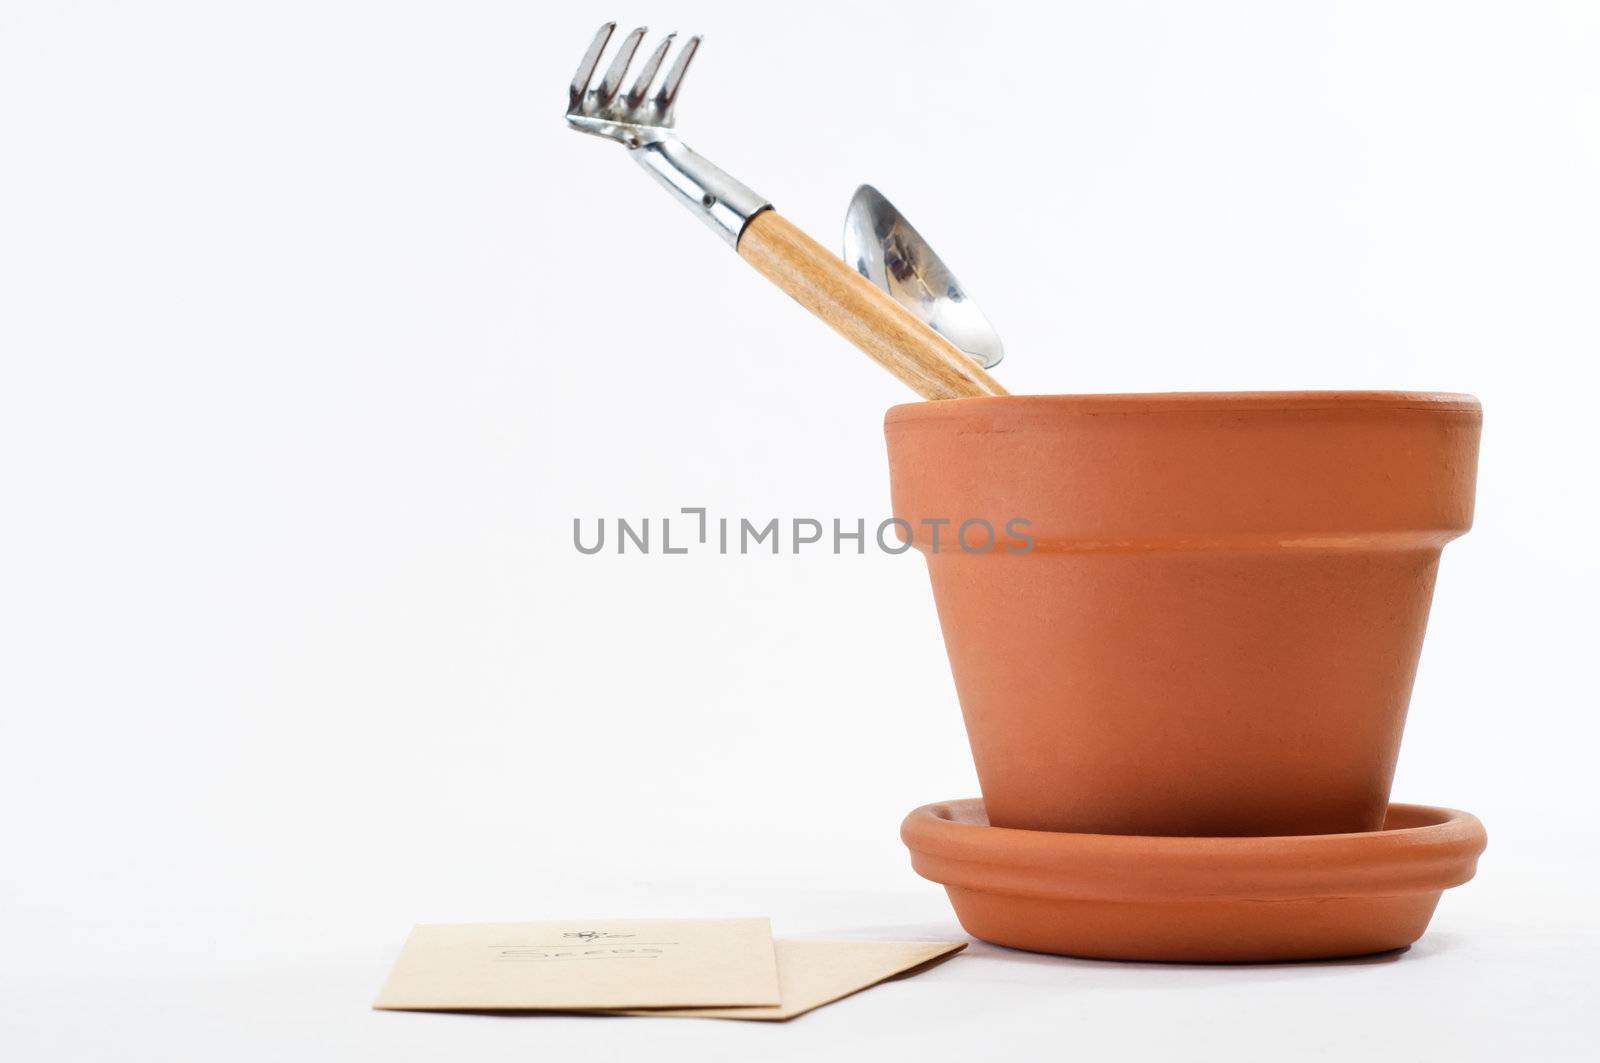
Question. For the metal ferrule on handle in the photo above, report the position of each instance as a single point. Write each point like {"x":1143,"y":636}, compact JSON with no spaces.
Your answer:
{"x":719,"y":200}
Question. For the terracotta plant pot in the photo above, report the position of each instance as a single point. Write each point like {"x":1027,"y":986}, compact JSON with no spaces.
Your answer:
{"x":1216,"y":627}
{"x":1212,"y":900}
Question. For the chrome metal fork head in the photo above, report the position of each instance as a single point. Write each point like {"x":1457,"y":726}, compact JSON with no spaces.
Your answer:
{"x":642,"y":120}
{"x":635,"y":117}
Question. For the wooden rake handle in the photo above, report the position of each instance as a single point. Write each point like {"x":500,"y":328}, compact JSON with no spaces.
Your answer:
{"x":861,"y":312}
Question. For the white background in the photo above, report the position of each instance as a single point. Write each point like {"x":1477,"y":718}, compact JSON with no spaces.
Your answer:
{"x":319,"y":329}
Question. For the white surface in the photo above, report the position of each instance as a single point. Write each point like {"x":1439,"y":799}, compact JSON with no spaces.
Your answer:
{"x":319,"y":330}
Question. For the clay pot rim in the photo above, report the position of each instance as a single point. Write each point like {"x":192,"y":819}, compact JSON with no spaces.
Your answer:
{"x":1426,"y":850}
{"x":1187,"y":402}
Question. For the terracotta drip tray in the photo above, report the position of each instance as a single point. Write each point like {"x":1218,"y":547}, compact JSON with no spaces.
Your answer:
{"x":1209,"y":900}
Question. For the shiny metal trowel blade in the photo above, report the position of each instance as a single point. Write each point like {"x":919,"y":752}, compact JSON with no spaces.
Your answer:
{"x":883,"y":247}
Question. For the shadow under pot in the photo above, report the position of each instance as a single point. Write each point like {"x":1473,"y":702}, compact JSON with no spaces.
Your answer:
{"x":1199,"y":614}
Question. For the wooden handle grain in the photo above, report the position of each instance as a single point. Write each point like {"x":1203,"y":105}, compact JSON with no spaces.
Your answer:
{"x":861,"y":312}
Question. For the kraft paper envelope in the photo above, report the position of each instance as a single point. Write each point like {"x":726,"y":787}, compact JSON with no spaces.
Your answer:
{"x":814,"y":973}
{"x":570,"y":966}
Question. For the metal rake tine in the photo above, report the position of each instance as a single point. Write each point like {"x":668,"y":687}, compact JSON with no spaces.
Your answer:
{"x":591,"y":59}
{"x":619,"y":66}
{"x":636,"y":94}
{"x":669,"y":87}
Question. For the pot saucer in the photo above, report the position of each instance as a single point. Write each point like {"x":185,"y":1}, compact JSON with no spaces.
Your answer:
{"x":1205,"y":900}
